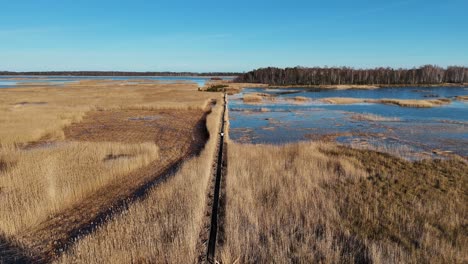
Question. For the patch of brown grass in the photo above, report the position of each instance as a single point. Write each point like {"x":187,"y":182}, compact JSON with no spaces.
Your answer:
{"x":415,"y":103}
{"x":342,"y":100}
{"x":372,"y":117}
{"x":252,"y":98}
{"x":299,"y":99}
{"x":258,"y":98}
{"x":315,"y":202}
{"x":400,"y":102}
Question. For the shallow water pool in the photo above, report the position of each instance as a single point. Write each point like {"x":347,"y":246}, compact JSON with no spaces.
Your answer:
{"x":421,"y":132}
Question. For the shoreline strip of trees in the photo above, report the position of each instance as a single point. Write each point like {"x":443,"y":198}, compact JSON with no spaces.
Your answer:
{"x":428,"y":74}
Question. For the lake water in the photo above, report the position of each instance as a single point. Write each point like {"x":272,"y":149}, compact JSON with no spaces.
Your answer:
{"x":13,"y":81}
{"x":412,"y":132}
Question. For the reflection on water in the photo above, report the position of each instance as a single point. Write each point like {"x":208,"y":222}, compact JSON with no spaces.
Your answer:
{"x":14,"y":81}
{"x":420,"y":131}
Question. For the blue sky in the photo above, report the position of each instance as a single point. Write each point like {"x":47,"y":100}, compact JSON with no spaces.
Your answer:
{"x":230,"y":35}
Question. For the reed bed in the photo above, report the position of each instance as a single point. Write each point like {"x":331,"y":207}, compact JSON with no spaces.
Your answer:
{"x":415,"y":103}
{"x":42,"y":181}
{"x":321,"y":203}
{"x":373,"y":118}
{"x":298,"y":99}
{"x":59,"y":146}
{"x":258,"y":98}
{"x":38,"y":112}
{"x":301,"y":99}
{"x":342,"y":100}
{"x":252,"y":98}
{"x":163,"y":228}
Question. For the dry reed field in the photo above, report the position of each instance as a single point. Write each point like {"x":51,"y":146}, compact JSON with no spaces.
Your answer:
{"x":321,"y":203}
{"x":120,"y":172}
{"x":59,"y":172}
{"x":37,"y":112}
{"x":163,"y":228}
{"x":46,"y":180}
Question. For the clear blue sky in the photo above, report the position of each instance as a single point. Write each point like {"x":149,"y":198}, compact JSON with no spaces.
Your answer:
{"x":230,"y":35}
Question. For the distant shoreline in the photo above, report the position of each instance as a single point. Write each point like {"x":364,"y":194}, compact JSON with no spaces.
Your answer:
{"x":119,"y":74}
{"x":26,"y":77}
{"x":366,"y":86}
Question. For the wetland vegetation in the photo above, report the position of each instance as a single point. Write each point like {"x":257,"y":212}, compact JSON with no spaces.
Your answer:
{"x":91,"y":148}
{"x":390,"y":119}
{"x":373,"y":175}
{"x":322,"y":203}
{"x":120,"y":171}
{"x":154,"y":132}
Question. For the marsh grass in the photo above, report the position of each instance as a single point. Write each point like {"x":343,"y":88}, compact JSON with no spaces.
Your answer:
{"x":163,"y":228}
{"x":321,"y":203}
{"x":298,"y":99}
{"x":258,"y":98}
{"x":372,"y":117}
{"x":58,"y":155}
{"x":23,"y":120}
{"x":46,"y":180}
{"x":414,"y":103}
{"x":342,"y":100}
{"x":252,"y":98}
{"x":301,"y":99}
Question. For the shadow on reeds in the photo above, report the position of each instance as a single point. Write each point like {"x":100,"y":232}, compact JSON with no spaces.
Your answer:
{"x":6,"y":165}
{"x":3,"y":166}
{"x":11,"y":252}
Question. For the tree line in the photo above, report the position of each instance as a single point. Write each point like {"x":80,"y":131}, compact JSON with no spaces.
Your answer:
{"x":117,"y":73}
{"x":428,"y":74}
